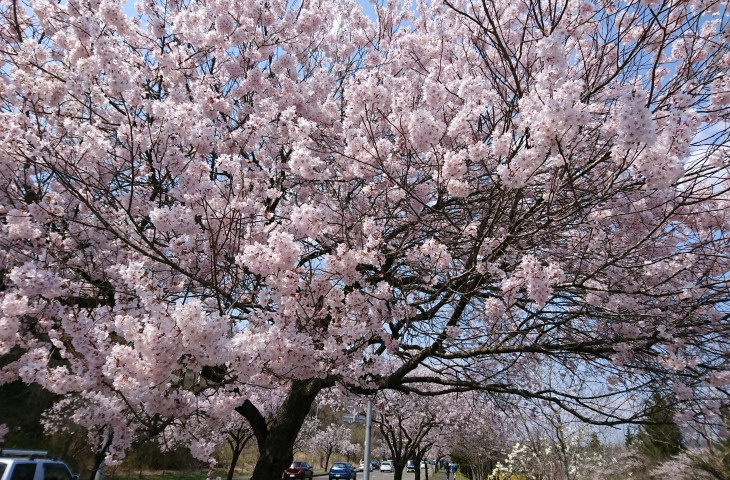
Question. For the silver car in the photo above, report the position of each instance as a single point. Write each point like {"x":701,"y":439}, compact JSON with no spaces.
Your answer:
{"x":32,"y":465}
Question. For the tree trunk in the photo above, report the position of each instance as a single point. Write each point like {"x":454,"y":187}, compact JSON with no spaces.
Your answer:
{"x":276,"y":440}
{"x":399,"y":464}
{"x":234,"y":461}
{"x":237,"y":440}
{"x":100,"y":455}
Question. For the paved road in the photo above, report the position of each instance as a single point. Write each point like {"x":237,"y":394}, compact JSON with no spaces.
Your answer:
{"x":377,"y":475}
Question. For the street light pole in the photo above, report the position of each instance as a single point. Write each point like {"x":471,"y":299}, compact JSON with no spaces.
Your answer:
{"x":314,"y":438}
{"x":368,"y":422}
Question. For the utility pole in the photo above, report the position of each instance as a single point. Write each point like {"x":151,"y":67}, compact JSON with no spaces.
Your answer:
{"x":368,"y":423}
{"x":314,"y":438}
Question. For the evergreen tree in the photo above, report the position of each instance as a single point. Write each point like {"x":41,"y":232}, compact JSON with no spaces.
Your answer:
{"x":661,"y":438}
{"x":629,"y":437}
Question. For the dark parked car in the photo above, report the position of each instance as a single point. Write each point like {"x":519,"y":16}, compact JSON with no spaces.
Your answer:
{"x":299,"y":470}
{"x":375,"y":464}
{"x":342,"y":470}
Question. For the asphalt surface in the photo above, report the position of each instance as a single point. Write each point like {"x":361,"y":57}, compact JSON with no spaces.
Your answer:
{"x":378,"y":475}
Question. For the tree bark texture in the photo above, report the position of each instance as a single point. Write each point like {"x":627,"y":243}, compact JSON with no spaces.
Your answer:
{"x":276,"y":438}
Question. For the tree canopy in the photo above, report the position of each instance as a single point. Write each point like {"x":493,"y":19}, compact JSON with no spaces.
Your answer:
{"x":214,"y":197}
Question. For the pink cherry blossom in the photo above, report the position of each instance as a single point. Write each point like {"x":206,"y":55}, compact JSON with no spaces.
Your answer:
{"x":214,"y":198}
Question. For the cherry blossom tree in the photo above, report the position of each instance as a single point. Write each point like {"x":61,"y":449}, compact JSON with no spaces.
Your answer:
{"x":706,"y":455}
{"x":334,"y":439}
{"x":350,"y":450}
{"x":238,"y":434}
{"x":414,"y":425}
{"x":701,"y":462}
{"x":381,"y":449}
{"x":307,"y":435}
{"x":214,"y":424}
{"x":215,"y":197}
{"x":481,"y":437}
{"x":74,"y":412}
{"x":681,"y":466}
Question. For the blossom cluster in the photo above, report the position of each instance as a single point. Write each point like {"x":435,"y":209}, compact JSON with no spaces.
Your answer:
{"x":211,"y":198}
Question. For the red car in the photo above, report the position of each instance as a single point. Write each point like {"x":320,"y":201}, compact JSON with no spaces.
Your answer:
{"x":299,"y":470}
